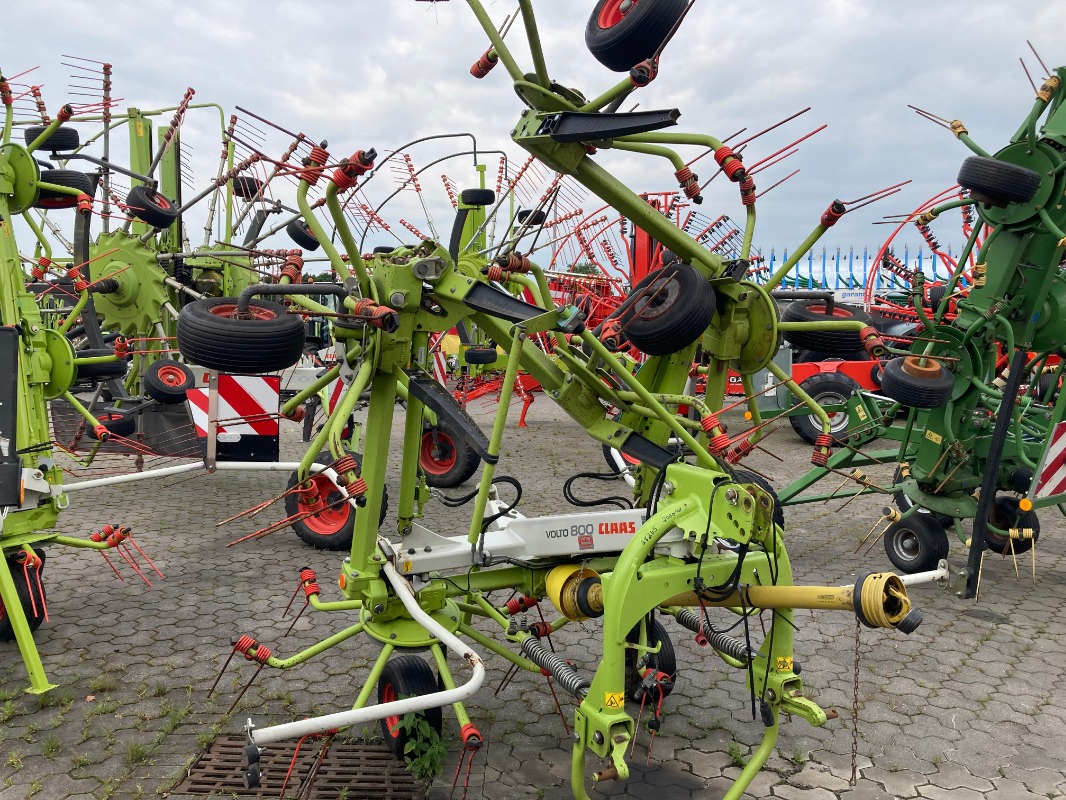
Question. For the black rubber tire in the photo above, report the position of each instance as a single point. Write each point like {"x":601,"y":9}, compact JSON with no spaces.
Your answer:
{"x":70,"y":178}
{"x":747,"y":476}
{"x":916,"y":392}
{"x":826,"y":388}
{"x":22,"y":589}
{"x":167,"y":381}
{"x":531,"y":218}
{"x":813,"y":356}
{"x":381,"y":248}
{"x":663,"y":661}
{"x":480,"y":355}
{"x":877,"y":374}
{"x":406,"y":676}
{"x":301,"y":233}
{"x":1044,"y":384}
{"x":936,"y":295}
{"x":151,"y":207}
{"x":477,"y":197}
{"x":998,"y":183}
{"x":608,"y":456}
{"x":446,"y":459}
{"x":837,"y":344}
{"x":117,"y":424}
{"x":208,"y":337}
{"x":99,"y":372}
{"x":679,"y":311}
{"x":1006,"y":514}
{"x":62,"y":140}
{"x":246,"y":187}
{"x":916,"y":544}
{"x":622,"y":43}
{"x":332,"y":529}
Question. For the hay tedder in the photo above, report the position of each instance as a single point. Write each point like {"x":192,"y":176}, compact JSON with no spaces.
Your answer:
{"x":973,"y":413}
{"x":701,"y":540}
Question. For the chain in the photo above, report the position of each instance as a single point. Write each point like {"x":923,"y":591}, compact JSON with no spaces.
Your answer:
{"x":855,"y":709}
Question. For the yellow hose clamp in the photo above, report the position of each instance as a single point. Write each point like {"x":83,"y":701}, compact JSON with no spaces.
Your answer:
{"x":880,"y":601}
{"x":958,"y":128}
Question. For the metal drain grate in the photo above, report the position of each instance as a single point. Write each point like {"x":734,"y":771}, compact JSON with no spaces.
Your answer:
{"x":366,"y":771}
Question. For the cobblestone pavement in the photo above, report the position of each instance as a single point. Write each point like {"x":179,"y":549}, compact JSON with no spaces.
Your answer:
{"x":963,"y":708}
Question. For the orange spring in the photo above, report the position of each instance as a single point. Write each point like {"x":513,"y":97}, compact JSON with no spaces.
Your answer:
{"x":311,"y":587}
{"x":85,"y":204}
{"x":346,"y":174}
{"x":357,"y":487}
{"x":517,"y":605}
{"x":315,"y":163}
{"x":122,"y":347}
{"x":364,"y":306}
{"x":40,"y":268}
{"x":739,"y":452}
{"x":643,"y":73}
{"x":747,"y":191}
{"x":514,"y":263}
{"x":307,"y":574}
{"x":308,"y":492}
{"x":5,"y":91}
{"x":293,"y":269}
{"x":346,"y":463}
{"x":729,"y":162}
{"x":102,"y":433}
{"x":710,"y":422}
{"x":483,"y":66}
{"x":296,"y":415}
{"x":718,"y":444}
{"x":65,"y":113}
{"x":497,"y":273}
{"x":684,"y":174}
{"x":540,"y":629}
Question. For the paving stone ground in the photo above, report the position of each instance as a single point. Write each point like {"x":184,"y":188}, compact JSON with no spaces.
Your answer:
{"x":966,"y":707}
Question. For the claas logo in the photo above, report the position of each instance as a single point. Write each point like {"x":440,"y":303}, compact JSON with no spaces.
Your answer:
{"x":617,"y":527}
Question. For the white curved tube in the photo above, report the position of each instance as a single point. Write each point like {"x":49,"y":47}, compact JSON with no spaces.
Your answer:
{"x":342,"y":719}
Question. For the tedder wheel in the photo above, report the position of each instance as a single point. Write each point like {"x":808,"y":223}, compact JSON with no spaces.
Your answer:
{"x":916,"y":544}
{"x":480,"y":355}
{"x":301,"y":233}
{"x":333,"y":527}
{"x":936,"y":295}
{"x":840,"y":344}
{"x":406,"y":676}
{"x":116,"y":423}
{"x":664,"y":661}
{"x":34,"y":610}
{"x":167,"y":381}
{"x":268,"y":339}
{"x":62,"y":140}
{"x":446,"y":459}
{"x":1006,"y":515}
{"x":103,"y":371}
{"x":622,"y":33}
{"x":671,"y":313}
{"x":813,"y":356}
{"x":477,"y":197}
{"x":997,"y":182}
{"x":246,"y":187}
{"x":71,"y":179}
{"x":916,"y":391}
{"x":747,"y":476}
{"x":151,"y":207}
{"x":826,"y":389}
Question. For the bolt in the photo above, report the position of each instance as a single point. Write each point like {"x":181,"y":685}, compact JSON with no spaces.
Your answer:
{"x":396,"y":299}
{"x":392,"y":635}
{"x":597,"y":737}
{"x":379,"y":608}
{"x":577,"y":736}
{"x":428,"y":549}
{"x":668,"y":488}
{"x":731,"y":496}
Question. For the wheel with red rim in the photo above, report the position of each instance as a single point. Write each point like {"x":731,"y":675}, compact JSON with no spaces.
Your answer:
{"x":622,"y":33}
{"x":839,"y":344}
{"x":406,"y":676}
{"x":167,"y":381}
{"x":30,"y":598}
{"x":332,"y":523}
{"x":69,"y":178}
{"x":446,"y":459}
{"x":150,"y":207}
{"x":246,"y":187}
{"x":116,"y":423}
{"x":213,"y":334}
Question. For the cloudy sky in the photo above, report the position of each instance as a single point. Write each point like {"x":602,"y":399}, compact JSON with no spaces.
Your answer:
{"x":362,"y":73}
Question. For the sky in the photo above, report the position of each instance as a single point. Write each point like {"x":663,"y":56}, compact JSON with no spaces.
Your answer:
{"x":378,"y":74}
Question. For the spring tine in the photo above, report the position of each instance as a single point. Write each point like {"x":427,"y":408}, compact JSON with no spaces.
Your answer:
{"x":245,"y":689}
{"x":297,"y":618}
{"x":225,"y":666}
{"x":108,"y":560}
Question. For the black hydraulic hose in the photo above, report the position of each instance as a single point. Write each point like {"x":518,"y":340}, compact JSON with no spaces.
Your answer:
{"x":245,"y":297}
{"x":457,"y":234}
{"x":567,"y":676}
{"x":1004,"y":418}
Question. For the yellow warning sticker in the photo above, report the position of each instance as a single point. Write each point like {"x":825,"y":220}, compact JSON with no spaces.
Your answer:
{"x":407,"y":566}
{"x":861,"y":412}
{"x":935,"y":438}
{"x":614,"y":699}
{"x":784,"y":663}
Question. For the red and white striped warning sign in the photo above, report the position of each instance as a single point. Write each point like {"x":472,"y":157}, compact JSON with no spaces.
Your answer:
{"x":248,"y":405}
{"x":1051,"y":476}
